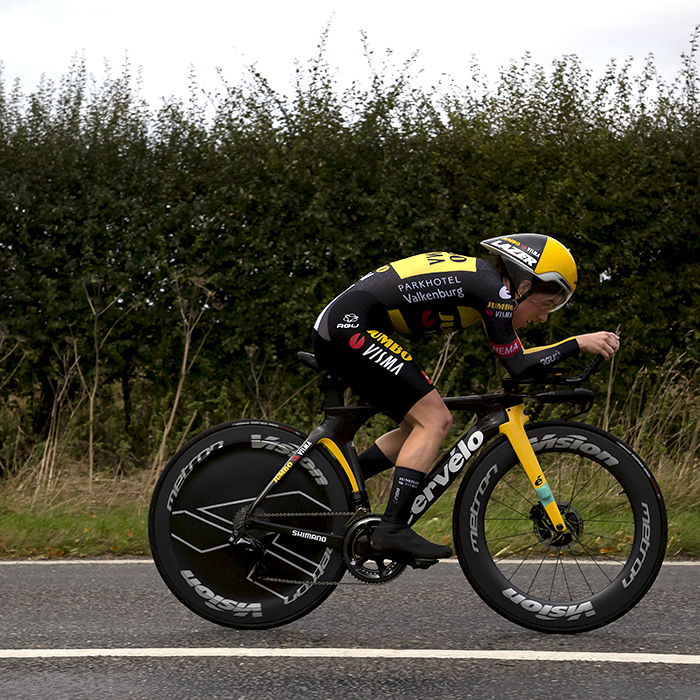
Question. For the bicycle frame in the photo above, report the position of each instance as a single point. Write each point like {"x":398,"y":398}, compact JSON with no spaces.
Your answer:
{"x":248,"y":538}
{"x":496,"y":413}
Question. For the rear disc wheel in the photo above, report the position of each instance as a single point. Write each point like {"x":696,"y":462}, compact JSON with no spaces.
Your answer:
{"x":199,"y":502}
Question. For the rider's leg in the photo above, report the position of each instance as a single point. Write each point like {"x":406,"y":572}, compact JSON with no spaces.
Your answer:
{"x":416,"y":441}
{"x":430,"y":422}
{"x":391,"y":443}
{"x":391,"y":448}
{"x":382,"y":455}
{"x":373,"y":461}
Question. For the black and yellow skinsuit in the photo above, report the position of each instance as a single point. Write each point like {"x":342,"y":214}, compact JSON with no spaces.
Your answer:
{"x":430,"y":293}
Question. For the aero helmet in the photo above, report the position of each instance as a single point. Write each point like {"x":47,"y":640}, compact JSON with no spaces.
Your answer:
{"x":533,"y":256}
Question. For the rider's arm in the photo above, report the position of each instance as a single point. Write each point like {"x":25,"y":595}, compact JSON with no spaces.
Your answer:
{"x":521,"y":362}
{"x":497,"y":317}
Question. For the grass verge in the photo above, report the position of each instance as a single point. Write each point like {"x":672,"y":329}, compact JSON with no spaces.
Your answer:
{"x":71,"y":530}
{"x":108,"y":519}
{"x":67,"y":514}
{"x":75,"y":533}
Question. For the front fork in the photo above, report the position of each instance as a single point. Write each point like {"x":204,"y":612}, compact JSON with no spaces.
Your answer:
{"x":514,"y":430}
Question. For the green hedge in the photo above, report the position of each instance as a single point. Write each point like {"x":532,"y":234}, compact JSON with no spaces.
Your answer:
{"x":121,"y":224}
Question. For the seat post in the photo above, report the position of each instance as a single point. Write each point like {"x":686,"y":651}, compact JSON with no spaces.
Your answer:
{"x":332,"y":388}
{"x":331,"y":385}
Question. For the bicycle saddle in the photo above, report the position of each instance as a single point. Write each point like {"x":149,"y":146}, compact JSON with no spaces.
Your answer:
{"x":309,"y":359}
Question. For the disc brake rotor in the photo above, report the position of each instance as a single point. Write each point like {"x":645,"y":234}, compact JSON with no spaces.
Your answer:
{"x":545,"y":531}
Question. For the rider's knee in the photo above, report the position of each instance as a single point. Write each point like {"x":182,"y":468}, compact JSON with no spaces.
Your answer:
{"x":405,"y":427}
{"x":443,"y":423}
{"x":430,"y":414}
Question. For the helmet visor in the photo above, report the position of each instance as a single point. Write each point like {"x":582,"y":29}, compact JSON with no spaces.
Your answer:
{"x":548,"y":302}
{"x":550,"y":294}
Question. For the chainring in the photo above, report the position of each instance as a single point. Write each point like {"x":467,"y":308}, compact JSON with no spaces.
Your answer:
{"x":362,"y":561}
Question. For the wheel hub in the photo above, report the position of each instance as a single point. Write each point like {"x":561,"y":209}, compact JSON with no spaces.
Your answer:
{"x":545,"y":531}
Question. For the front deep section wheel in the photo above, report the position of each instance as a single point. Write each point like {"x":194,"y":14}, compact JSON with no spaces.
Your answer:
{"x":578,"y":580}
{"x":199,"y":501}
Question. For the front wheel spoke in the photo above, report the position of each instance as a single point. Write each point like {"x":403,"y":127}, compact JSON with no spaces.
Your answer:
{"x":561,"y":566}
{"x":619,"y":539}
{"x":567,"y":581}
{"x":596,"y":554}
{"x":582,"y":573}
{"x":539,"y":569}
{"x":499,"y":501}
{"x":564,"y":576}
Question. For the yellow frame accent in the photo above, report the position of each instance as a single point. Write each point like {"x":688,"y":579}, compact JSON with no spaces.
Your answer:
{"x":514,"y":430}
{"x":335,"y":451}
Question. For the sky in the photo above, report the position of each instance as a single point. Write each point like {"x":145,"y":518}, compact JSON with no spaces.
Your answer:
{"x":164,"y":39}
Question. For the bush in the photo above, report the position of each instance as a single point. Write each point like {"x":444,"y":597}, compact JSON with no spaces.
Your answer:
{"x":163,"y":267}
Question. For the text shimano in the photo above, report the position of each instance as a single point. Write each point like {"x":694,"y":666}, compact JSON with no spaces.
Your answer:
{"x":309,"y":536}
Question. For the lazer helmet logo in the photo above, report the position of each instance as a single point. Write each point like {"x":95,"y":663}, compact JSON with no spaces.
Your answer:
{"x":517,"y":253}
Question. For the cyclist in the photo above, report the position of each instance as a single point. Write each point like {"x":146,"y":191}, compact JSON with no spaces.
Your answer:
{"x":432,"y":293}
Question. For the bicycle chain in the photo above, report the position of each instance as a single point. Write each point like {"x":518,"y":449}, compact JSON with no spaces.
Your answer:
{"x":305,"y":515}
{"x":294,"y":582}
{"x":322,"y":583}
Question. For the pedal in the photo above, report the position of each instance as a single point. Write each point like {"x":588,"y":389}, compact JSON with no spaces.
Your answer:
{"x":404,"y":558}
{"x":423,"y":563}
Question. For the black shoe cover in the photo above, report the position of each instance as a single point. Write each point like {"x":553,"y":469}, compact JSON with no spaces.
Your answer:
{"x":400,"y":543}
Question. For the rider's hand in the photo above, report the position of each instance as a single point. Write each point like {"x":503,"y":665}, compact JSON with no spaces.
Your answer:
{"x":601,"y":343}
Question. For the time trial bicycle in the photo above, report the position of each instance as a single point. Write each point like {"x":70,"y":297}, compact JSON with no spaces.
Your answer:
{"x":253,"y":523}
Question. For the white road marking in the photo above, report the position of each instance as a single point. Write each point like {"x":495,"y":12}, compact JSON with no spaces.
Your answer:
{"x":453,"y":560}
{"x":43,"y":562}
{"x":459,"y":654}
{"x":353,"y":653}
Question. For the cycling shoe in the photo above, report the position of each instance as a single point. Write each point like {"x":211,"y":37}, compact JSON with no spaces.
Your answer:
{"x":400,"y":543}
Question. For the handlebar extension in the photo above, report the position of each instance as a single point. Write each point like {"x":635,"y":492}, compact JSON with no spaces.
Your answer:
{"x":511,"y":384}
